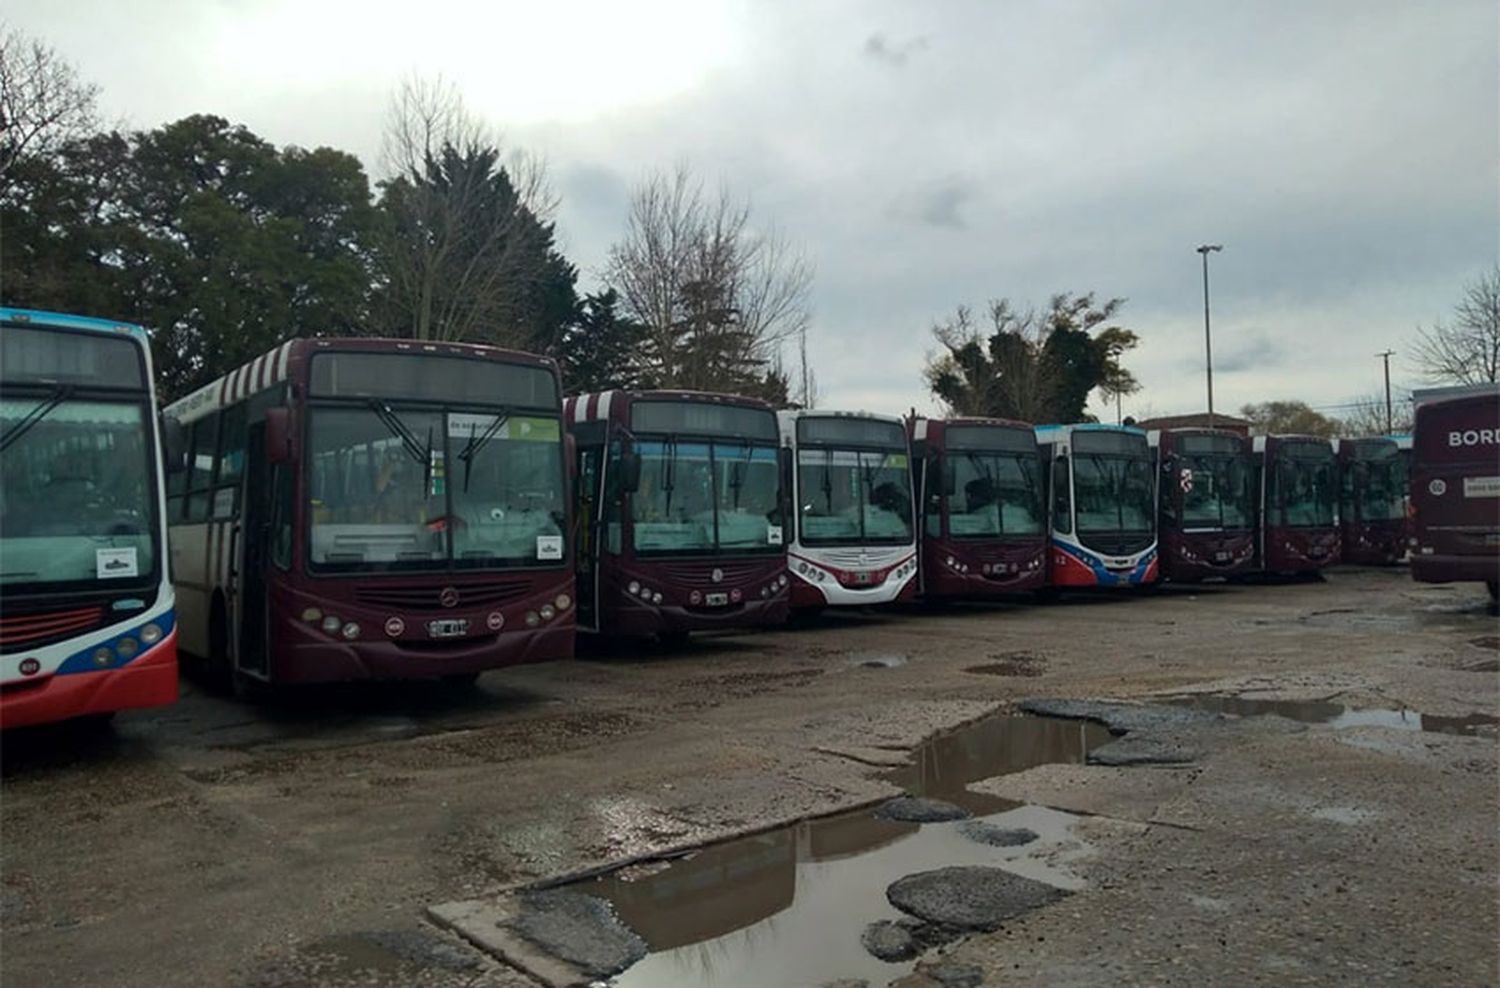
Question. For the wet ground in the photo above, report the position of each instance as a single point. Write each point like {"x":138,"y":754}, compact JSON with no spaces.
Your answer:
{"x":1275,"y":783}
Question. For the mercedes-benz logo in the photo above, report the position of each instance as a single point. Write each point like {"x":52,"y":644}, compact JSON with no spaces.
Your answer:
{"x":449,"y":597}
{"x":717,"y":575}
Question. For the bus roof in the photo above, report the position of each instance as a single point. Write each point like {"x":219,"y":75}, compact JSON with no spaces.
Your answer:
{"x":63,"y":320}
{"x":793,"y":414}
{"x":1058,"y":430}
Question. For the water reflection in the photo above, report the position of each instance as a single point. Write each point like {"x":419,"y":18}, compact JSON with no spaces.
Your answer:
{"x":1337,"y":715}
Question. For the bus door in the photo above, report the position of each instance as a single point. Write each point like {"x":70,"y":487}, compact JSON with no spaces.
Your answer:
{"x":588,"y":496}
{"x":255,"y":539}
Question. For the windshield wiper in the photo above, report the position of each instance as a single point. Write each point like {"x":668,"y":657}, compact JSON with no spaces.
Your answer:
{"x":476,"y":444}
{"x":409,"y":441}
{"x":669,"y":469}
{"x":737,"y":471}
{"x":828,"y":479}
{"x":59,"y":394}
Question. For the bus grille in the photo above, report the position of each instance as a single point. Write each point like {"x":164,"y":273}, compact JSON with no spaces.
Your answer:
{"x":18,"y":631}
{"x":428,"y":597}
{"x":1117,"y":545}
{"x":702,"y":573}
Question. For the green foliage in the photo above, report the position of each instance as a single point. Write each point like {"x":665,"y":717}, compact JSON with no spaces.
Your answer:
{"x":218,"y":242}
{"x":1289,"y":418}
{"x":1032,"y":366}
{"x":599,"y":349}
{"x":463,"y":257}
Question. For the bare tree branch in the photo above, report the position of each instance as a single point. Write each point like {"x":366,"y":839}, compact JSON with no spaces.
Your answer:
{"x":1466,"y":351}
{"x":43,"y":105}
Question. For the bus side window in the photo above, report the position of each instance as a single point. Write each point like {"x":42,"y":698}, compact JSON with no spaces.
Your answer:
{"x":1062,"y":515}
{"x":201,"y":468}
{"x":231,"y":463}
{"x":281,"y":516}
{"x":932,"y":489}
{"x":177,"y":485}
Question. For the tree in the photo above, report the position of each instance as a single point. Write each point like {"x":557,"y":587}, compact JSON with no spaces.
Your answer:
{"x":600,"y":349}
{"x":1035,"y":366}
{"x":1467,"y":351}
{"x":466,"y":251}
{"x":718,"y":299}
{"x":1366,"y":416}
{"x":1289,"y":418}
{"x":43,"y":105}
{"x":219,"y":243}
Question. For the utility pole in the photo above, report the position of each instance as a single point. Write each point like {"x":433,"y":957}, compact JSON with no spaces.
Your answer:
{"x":1385,"y":355}
{"x":1208,"y":343}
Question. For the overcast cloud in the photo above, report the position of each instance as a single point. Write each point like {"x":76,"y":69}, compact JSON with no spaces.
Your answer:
{"x":1347,"y":155}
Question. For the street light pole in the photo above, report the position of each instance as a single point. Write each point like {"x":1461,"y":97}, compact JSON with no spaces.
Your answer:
{"x":1208,"y":343}
{"x":1385,"y":355}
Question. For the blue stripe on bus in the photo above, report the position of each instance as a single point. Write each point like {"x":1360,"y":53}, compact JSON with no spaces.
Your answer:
{"x":62,"y":320}
{"x":1103,"y":575}
{"x":83,"y":661}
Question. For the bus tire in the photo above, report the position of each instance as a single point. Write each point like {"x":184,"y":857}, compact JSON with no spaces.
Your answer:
{"x":1494,"y":589}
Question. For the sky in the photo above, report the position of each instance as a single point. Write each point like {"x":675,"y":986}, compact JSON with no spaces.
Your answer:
{"x":927,"y":155}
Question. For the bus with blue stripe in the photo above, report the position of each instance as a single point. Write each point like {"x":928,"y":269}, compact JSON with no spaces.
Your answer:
{"x":87,"y":617}
{"x":1102,"y":505}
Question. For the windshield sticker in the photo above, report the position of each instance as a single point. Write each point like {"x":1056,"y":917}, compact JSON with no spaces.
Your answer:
{"x":439,"y":473}
{"x":773,"y":535}
{"x":549,"y":547}
{"x":464,"y":425}
{"x":895,"y":461}
{"x":1482,"y":487}
{"x":112,"y":564}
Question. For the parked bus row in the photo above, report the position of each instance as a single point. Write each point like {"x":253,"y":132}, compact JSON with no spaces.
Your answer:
{"x":377,"y":509}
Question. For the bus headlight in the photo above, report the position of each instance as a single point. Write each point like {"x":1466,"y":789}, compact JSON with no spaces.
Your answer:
{"x":103,"y":657}
{"x":351,"y":631}
{"x":563,"y":602}
{"x":533,"y":619}
{"x":312,"y":615}
{"x":633,"y":587}
{"x":656,"y":598}
{"x":781,"y":580}
{"x":151,"y":634}
{"x":332,"y":624}
{"x":548,"y":612}
{"x":127,"y":647}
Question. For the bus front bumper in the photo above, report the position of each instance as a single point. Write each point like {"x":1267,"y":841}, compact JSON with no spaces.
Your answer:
{"x":149,"y":680}
{"x":639,"y":619}
{"x":1450,"y":568}
{"x":330,"y":661}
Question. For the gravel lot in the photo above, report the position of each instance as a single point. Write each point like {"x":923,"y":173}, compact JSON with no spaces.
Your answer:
{"x":303,"y":842}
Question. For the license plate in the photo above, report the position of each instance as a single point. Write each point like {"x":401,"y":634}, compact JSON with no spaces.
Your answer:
{"x":716,"y":599}
{"x":1221,"y":556}
{"x":448,"y":628}
{"x":1316,"y":550}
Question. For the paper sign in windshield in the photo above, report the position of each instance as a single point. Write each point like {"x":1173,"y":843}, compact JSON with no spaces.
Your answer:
{"x":112,"y":564}
{"x":773,"y":535}
{"x":549,"y":547}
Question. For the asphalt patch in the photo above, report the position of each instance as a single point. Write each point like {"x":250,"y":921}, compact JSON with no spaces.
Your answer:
{"x":580,"y":929}
{"x":972,"y":897}
{"x":919,"y":809}
{"x":1133,"y":750}
{"x":984,"y":832}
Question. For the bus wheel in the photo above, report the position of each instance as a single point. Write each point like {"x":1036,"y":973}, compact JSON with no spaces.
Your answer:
{"x":1494,"y":587}
{"x":251,"y":690}
{"x":218,"y":674}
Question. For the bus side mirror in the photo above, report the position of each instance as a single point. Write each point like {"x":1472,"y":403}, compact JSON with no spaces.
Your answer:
{"x":278,"y":435}
{"x":174,"y":445}
{"x":630,"y":471}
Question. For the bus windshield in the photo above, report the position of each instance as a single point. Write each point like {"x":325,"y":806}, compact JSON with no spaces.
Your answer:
{"x":1306,"y":490}
{"x":418,"y":489}
{"x":1216,"y":491}
{"x":995,"y":494}
{"x":851,"y":497}
{"x":698,"y":497}
{"x":75,"y":493}
{"x":1382,"y":488}
{"x":1113,"y":493}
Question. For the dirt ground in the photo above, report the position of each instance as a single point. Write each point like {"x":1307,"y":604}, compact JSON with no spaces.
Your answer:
{"x":302,"y":842}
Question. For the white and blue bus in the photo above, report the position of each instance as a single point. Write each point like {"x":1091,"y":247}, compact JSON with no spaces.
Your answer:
{"x":1102,"y":493}
{"x":87,"y":623}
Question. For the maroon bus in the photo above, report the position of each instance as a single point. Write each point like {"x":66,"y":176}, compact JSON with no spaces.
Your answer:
{"x":982,"y":493}
{"x":679,"y":508}
{"x":1455,"y":490}
{"x":1372,"y":500}
{"x":1297,"y":494}
{"x":1205,"y":503}
{"x":373,"y":509}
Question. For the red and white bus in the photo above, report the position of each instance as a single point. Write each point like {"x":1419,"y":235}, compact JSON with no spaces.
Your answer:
{"x":852,"y":540}
{"x":680,"y":507}
{"x":982,"y":490}
{"x":1103,"y":505}
{"x":373,"y":509}
{"x":1205,"y":503}
{"x":1297,"y":504}
{"x":1372,"y":500}
{"x":87,"y":622}
{"x":1455,"y":488}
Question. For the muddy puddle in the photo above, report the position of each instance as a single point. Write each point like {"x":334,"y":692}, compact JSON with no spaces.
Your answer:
{"x":787,"y":907}
{"x":1337,"y":715}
